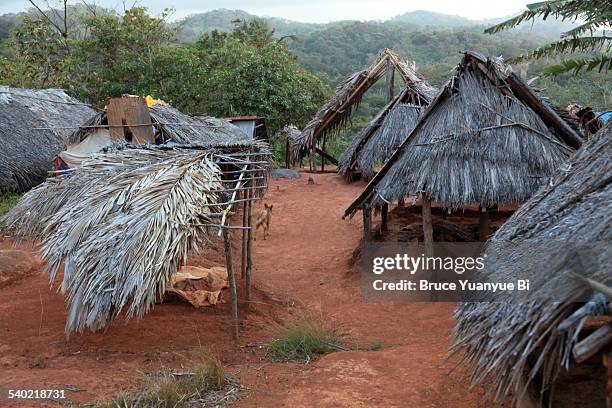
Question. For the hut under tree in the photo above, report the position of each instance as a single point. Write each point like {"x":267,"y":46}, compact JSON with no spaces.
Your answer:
{"x":288,"y":135}
{"x":518,"y":348}
{"x":34,"y":128}
{"x":487,"y":139}
{"x":334,"y":115}
{"x":124,"y":220}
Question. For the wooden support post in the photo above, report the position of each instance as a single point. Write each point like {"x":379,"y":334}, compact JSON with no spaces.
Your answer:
{"x":389,"y":81}
{"x":384,"y":215}
{"x":367,"y":222}
{"x":483,"y":224}
{"x":607,"y":362}
{"x":427,"y":226}
{"x":227,"y":240}
{"x":243,"y":254}
{"x":287,"y":154}
{"x":323,"y":157}
{"x":249,"y":248}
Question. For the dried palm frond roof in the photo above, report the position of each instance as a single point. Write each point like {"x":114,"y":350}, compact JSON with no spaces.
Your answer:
{"x":334,"y":114}
{"x":32,"y":133}
{"x":172,"y":125}
{"x":382,"y":135}
{"x":486,"y":139}
{"x":126,"y":220}
{"x":507,"y":343}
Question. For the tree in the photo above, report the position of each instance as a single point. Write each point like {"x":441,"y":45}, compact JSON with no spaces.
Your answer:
{"x":589,"y":37}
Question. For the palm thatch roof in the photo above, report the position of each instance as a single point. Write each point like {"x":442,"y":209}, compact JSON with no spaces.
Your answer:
{"x":32,"y":131}
{"x":127,"y":219}
{"x":334,"y":114}
{"x":377,"y":141}
{"x":506,"y":343}
{"x":171,"y":125}
{"x":486,"y":139}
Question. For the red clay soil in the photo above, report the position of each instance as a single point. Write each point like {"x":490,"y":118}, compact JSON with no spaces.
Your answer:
{"x":302,"y":268}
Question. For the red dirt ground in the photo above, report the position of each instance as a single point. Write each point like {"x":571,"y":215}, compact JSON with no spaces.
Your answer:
{"x":303,"y":268}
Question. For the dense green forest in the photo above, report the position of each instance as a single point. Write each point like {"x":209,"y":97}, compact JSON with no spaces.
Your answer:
{"x":229,"y":62}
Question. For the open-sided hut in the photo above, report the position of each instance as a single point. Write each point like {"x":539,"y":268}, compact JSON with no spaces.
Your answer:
{"x":35,"y":125}
{"x":487,"y":139}
{"x":123,"y":222}
{"x":524,"y":343}
{"x":161,"y":124}
{"x":334,"y":114}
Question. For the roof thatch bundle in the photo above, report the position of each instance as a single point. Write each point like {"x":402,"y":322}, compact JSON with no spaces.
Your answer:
{"x":346,"y":97}
{"x":377,"y":141}
{"x":171,"y":125}
{"x":486,"y":139}
{"x":288,"y":132}
{"x":33,"y":131}
{"x":507,"y":345}
{"x":125,"y":221}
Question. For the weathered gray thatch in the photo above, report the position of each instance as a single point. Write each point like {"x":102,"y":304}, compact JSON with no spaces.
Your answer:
{"x":504,"y":343}
{"x":33,"y":131}
{"x":288,"y":132}
{"x":171,"y":125}
{"x":486,"y":139}
{"x":126,"y":220}
{"x":377,"y":141}
{"x":334,"y":114}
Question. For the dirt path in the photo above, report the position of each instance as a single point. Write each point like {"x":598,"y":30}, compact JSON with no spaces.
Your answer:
{"x":305,"y":264}
{"x":306,"y":259}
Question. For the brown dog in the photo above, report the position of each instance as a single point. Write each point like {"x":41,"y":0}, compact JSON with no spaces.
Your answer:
{"x":263,"y":220}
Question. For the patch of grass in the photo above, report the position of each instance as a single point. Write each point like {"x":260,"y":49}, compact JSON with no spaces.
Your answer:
{"x":173,"y":390}
{"x":303,"y":342}
{"x":376,"y":346}
{"x":8,"y":201}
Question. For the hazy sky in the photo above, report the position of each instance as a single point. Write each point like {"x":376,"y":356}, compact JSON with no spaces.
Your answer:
{"x":312,"y":10}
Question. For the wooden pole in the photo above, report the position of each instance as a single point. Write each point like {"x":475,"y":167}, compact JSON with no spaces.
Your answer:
{"x":244,"y":235}
{"x":249,"y":248}
{"x":483,"y":224}
{"x":389,"y":81}
{"x":400,"y":202}
{"x":367,"y":222}
{"x":232,"y":281}
{"x":427,"y":226}
{"x":322,"y":157}
{"x":384,"y":218}
{"x":287,"y":154}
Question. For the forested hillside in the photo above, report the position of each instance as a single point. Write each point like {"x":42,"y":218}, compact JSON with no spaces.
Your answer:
{"x":434,"y":41}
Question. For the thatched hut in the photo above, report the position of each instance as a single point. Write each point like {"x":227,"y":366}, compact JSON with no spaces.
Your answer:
{"x":161,"y":124}
{"x":35,"y":125}
{"x":487,"y":139}
{"x":124,"y":219}
{"x":287,"y":135}
{"x":510,"y":346}
{"x":334,"y":114}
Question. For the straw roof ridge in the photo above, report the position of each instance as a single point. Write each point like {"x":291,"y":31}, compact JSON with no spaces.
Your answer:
{"x":32,"y":133}
{"x":486,"y":139}
{"x":504,"y":343}
{"x":336,"y":112}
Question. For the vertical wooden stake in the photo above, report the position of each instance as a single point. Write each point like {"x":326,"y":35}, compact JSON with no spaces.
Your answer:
{"x":323,"y":158}
{"x":367,"y":222}
{"x":427,"y":226}
{"x":483,"y":224}
{"x":384,"y":218}
{"x":232,"y":281}
{"x":249,"y":248}
{"x":243,"y":251}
